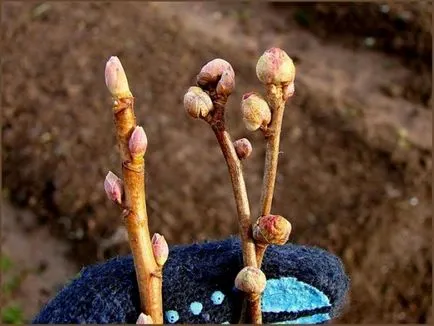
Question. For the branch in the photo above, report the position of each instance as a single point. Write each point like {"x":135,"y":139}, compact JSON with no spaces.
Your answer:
{"x":240,"y":194}
{"x":276,"y":70}
{"x":272,"y":138}
{"x":243,"y":210}
{"x":216,"y":82}
{"x":132,"y":145}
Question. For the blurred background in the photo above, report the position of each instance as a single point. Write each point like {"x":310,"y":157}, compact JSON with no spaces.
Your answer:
{"x":354,"y":173}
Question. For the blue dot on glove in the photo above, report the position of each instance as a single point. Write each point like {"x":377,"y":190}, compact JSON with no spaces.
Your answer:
{"x":217,"y":297}
{"x":172,"y":316}
{"x":196,"y":308}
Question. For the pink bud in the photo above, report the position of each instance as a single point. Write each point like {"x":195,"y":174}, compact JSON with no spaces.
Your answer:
{"x":116,"y":79}
{"x":275,"y":67}
{"x":113,"y":187}
{"x":251,"y":280}
{"x":226,"y":84}
{"x":160,"y":249}
{"x":144,"y":319}
{"x":272,"y":229}
{"x":197,"y":102}
{"x":138,"y":142}
{"x":243,"y":147}
{"x":213,"y":71}
{"x":288,"y":90}
{"x":255,"y":111}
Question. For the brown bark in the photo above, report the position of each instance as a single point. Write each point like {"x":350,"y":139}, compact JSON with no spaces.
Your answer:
{"x":272,"y":138}
{"x":135,"y":215}
{"x":217,"y":123}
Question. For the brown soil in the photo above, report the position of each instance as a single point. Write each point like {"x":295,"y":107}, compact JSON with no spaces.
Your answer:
{"x":355,"y":169}
{"x":402,"y":30}
{"x":36,"y":268}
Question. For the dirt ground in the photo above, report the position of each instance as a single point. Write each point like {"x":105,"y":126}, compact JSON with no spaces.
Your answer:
{"x":29,"y":276}
{"x":355,"y":168}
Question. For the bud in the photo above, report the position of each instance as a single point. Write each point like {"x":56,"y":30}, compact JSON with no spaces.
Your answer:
{"x":251,"y":280}
{"x":113,"y":187}
{"x":243,"y":147}
{"x":144,"y":319}
{"x":116,"y":79}
{"x":288,"y":90}
{"x":275,"y":67}
{"x":160,"y":249}
{"x":272,"y":229}
{"x":226,"y":84}
{"x":197,"y":103}
{"x":255,"y":111}
{"x":138,"y":142}
{"x":212,"y":72}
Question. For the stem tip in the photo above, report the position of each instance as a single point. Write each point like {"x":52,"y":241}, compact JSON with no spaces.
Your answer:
{"x":275,"y":67}
{"x":116,"y":79}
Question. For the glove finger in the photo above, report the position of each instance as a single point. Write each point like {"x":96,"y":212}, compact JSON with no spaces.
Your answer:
{"x":304,"y":285}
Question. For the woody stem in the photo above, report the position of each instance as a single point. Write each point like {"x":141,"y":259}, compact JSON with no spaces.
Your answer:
{"x":135,"y":214}
{"x":241,"y":199}
{"x":272,"y":138}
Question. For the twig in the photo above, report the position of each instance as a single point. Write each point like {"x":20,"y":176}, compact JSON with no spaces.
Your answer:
{"x":216,"y":82}
{"x":272,"y":138}
{"x":276,"y":70}
{"x":243,"y":209}
{"x":253,"y":303}
{"x":135,"y":216}
{"x":240,"y":193}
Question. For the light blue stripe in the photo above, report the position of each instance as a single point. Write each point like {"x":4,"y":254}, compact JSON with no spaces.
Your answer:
{"x":314,"y":319}
{"x":287,"y":294}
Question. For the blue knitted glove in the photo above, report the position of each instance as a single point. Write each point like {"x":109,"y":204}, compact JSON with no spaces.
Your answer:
{"x":304,"y":285}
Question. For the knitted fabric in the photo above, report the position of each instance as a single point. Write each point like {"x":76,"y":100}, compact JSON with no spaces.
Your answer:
{"x":304,"y":285}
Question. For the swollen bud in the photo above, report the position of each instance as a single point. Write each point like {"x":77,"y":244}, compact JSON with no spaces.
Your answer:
{"x":212,"y":72}
{"x":160,"y":249}
{"x":144,"y":319}
{"x":138,"y":142}
{"x":116,"y":79}
{"x":288,"y":90}
{"x":113,"y":187}
{"x":197,"y":103}
{"x":243,"y":147}
{"x":226,"y":84}
{"x":272,"y":229}
{"x":255,"y":110}
{"x":251,"y":280}
{"x":275,"y":67}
